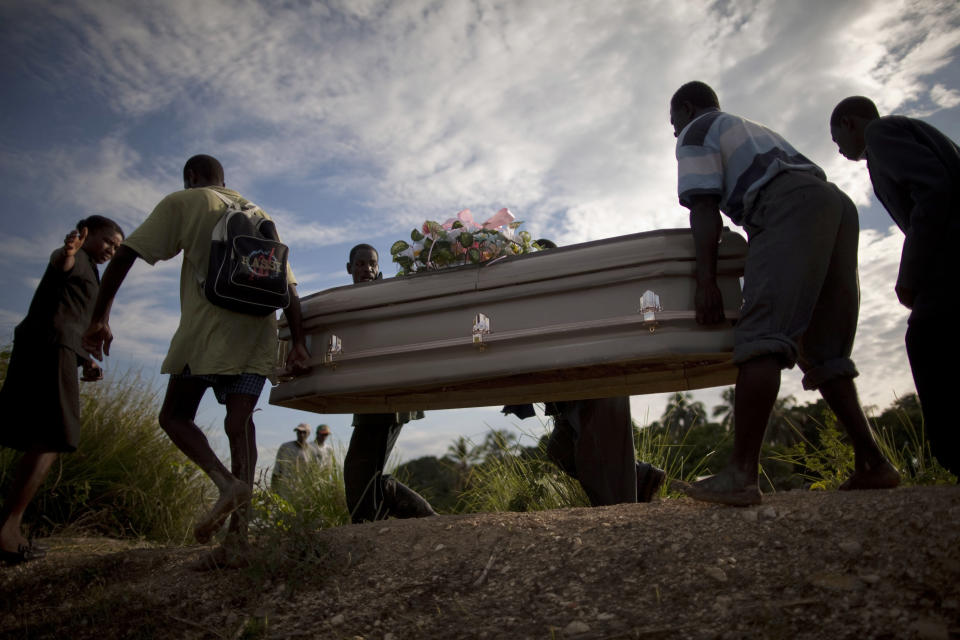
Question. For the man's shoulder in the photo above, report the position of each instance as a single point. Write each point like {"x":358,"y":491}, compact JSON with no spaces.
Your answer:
{"x":198,"y":197}
{"x":696,"y":132}
{"x":889,"y":123}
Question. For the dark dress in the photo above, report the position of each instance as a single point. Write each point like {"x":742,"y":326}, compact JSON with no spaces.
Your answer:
{"x":40,"y":398}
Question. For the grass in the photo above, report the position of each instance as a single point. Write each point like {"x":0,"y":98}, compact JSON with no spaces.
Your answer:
{"x":508,"y":482}
{"x":129,"y":480}
{"x":285,"y":526}
{"x":828,"y":462}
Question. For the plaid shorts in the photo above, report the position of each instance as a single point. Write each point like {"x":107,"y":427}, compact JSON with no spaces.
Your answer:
{"x":248,"y":384}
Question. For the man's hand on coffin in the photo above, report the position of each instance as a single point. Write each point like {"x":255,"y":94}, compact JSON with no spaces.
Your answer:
{"x":709,"y":303}
{"x":297,"y":360}
{"x":706,"y":226}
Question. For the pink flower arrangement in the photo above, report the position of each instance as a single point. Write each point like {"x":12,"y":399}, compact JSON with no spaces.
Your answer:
{"x":461,"y":240}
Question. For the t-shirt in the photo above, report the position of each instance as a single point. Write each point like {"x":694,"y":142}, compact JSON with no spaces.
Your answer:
{"x":724,"y":155}
{"x":322,"y":453}
{"x":292,"y":457}
{"x":209,"y":339}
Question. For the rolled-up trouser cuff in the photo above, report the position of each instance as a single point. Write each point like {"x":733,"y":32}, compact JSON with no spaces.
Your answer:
{"x":824,"y":372}
{"x":781,"y":346}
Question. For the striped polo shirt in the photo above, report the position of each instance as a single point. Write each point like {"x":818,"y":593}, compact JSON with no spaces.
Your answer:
{"x":731,"y":157}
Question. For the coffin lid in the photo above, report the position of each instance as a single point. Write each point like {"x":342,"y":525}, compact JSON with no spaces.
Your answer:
{"x":599,"y":255}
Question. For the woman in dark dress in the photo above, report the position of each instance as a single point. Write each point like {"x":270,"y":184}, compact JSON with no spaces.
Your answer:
{"x":40,"y":398}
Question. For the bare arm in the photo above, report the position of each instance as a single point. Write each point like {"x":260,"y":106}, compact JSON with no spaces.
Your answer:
{"x":706,"y":226}
{"x":71,"y":244}
{"x":97,"y":337}
{"x":297,"y":357}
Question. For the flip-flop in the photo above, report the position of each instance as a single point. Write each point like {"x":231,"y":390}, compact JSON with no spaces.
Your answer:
{"x":717,"y":489}
{"x":24,"y":553}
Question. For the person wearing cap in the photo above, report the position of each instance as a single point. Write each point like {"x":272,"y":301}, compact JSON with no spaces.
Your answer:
{"x":322,"y":451}
{"x":292,"y":456}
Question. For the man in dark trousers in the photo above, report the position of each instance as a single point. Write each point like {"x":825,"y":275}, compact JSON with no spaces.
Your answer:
{"x":915,"y":170}
{"x":592,"y":441}
{"x":800,"y":290}
{"x":372,"y":495}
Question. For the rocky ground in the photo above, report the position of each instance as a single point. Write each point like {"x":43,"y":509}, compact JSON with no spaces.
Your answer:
{"x":803,"y":565}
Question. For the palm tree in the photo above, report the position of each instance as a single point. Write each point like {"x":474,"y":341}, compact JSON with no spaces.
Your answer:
{"x":498,"y":444}
{"x":682,"y":413}
{"x":463,"y":454}
{"x":725,"y":411}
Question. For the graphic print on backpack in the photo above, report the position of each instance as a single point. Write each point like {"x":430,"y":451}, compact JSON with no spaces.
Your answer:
{"x":248,"y":264}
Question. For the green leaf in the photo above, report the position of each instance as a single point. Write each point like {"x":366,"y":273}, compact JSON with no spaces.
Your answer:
{"x":465,"y":239}
{"x":457,"y":224}
{"x":416,"y":236}
{"x":474,"y":255}
{"x":398,"y":247}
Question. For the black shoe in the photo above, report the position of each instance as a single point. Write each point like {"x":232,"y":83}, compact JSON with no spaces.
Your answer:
{"x":649,"y":481}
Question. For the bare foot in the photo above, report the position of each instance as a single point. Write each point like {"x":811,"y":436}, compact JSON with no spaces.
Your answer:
{"x":226,"y":556}
{"x":237,"y":495}
{"x":884,"y":476}
{"x":726,"y":487}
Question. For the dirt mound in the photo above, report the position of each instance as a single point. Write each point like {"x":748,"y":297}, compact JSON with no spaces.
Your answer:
{"x":803,"y":565}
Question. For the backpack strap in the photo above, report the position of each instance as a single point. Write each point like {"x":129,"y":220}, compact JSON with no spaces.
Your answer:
{"x":230,"y":203}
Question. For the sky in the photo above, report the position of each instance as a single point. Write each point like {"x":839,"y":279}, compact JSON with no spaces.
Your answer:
{"x":355,"y":121}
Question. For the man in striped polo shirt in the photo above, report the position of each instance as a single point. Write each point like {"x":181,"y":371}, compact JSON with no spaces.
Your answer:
{"x":800,"y":294}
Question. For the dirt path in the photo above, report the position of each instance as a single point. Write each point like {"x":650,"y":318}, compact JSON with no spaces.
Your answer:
{"x":804,"y":565}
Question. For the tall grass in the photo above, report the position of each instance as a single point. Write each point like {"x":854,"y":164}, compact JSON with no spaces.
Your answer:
{"x":312,"y":499}
{"x":508,"y":482}
{"x":529,"y":482}
{"x":828,"y":462}
{"x":127,"y":479}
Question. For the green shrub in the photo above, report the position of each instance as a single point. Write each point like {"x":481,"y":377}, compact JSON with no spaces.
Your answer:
{"x":285,"y":527}
{"x":827,"y":463}
{"x":505,"y":481}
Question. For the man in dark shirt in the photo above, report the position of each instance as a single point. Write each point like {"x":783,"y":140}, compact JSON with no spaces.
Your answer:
{"x":371,"y":495}
{"x":915,"y":170}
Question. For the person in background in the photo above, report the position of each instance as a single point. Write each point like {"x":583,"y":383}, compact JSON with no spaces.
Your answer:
{"x":322,"y":451}
{"x":915,"y":170}
{"x":371,"y":494}
{"x":40,"y":398}
{"x":292,"y":457}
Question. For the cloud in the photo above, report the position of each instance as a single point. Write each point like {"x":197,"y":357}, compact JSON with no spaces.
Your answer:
{"x":355,"y":121}
{"x":943,"y":97}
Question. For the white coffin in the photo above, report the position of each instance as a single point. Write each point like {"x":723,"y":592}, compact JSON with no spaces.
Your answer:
{"x":564,"y":324}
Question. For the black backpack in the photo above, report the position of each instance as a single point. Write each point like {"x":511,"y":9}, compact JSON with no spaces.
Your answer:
{"x":248,"y":263}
